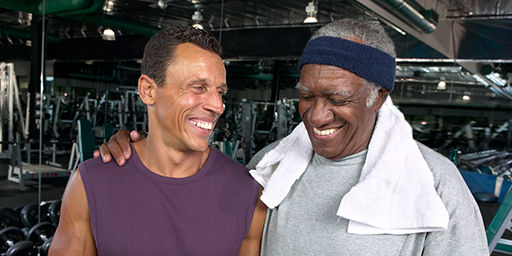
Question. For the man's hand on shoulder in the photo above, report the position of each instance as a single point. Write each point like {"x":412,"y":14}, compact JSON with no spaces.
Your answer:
{"x":118,"y":146}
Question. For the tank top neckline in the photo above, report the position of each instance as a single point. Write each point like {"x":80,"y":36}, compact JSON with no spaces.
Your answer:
{"x":177,"y":181}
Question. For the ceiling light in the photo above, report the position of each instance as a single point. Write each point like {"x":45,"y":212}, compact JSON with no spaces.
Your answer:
{"x":480,"y":80}
{"x":496,"y":78}
{"x":466,"y":97}
{"x":161,"y":4}
{"x":442,"y":84}
{"x":109,"y":6}
{"x":108,"y":34}
{"x":197,"y":26}
{"x":197,"y":18}
{"x":311,"y":11}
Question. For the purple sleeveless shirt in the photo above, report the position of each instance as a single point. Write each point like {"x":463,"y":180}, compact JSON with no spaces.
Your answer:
{"x":135,"y":211}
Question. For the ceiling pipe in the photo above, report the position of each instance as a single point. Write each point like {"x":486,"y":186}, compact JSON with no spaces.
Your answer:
{"x":94,"y":8}
{"x":52,"y":6}
{"x":64,"y":6}
{"x":412,"y":12}
{"x":87,"y":11}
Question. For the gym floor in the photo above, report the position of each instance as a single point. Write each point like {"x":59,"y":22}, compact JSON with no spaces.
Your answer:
{"x":53,"y":188}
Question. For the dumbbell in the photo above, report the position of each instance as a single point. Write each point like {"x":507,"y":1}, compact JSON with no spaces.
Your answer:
{"x":29,"y":214}
{"x":8,"y":218}
{"x":54,"y":211}
{"x":13,"y":243}
{"x":41,"y":235}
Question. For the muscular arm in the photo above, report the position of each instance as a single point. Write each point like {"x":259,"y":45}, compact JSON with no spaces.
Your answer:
{"x":74,"y":233}
{"x":252,"y":242}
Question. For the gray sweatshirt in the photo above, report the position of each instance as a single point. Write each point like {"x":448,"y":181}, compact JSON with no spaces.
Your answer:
{"x":305,"y":223}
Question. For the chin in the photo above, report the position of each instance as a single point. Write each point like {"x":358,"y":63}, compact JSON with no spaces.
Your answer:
{"x":200,"y":147}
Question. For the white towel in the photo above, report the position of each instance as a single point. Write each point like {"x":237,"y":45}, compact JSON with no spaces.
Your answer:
{"x":395,"y":193}
{"x":283,"y":165}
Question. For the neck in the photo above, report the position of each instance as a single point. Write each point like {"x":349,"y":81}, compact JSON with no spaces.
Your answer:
{"x":168,"y":161}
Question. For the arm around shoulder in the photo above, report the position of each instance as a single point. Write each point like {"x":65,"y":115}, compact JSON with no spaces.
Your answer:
{"x":252,"y":242}
{"x":74,"y":233}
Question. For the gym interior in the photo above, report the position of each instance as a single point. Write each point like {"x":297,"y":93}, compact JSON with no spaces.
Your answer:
{"x":69,"y":73}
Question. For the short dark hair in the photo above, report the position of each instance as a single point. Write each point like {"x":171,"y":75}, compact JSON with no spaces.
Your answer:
{"x":159,"y":51}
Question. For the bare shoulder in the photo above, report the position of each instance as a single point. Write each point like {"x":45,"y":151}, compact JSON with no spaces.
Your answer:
{"x":74,"y":234}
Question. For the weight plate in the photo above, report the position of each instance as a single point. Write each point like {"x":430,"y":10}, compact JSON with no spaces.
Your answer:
{"x":45,"y":248}
{"x":12,"y":234}
{"x":23,"y":248}
{"x":54,"y":211}
{"x":29,"y":215}
{"x":44,"y":211}
{"x":45,"y":229}
{"x":8,"y":218}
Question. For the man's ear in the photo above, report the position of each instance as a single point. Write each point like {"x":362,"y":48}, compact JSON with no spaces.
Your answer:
{"x":381,"y":98}
{"x":147,"y":89}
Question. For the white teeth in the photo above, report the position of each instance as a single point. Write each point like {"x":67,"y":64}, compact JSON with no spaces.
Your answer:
{"x":324,"y":132}
{"x":204,"y":125}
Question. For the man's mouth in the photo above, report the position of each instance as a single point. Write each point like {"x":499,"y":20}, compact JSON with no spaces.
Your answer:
{"x":325,"y":132}
{"x":202,"y":124}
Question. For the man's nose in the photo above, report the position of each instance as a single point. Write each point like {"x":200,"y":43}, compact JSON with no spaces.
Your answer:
{"x":320,"y":114}
{"x":214,"y":102}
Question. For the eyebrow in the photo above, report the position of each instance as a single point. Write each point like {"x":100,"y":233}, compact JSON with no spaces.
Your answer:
{"x":343,"y":93}
{"x":302,"y":87}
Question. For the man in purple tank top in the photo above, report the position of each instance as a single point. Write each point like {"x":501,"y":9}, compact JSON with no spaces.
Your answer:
{"x":175,"y":195}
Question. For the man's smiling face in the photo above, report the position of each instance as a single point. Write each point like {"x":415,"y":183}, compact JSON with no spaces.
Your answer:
{"x":333,"y":108}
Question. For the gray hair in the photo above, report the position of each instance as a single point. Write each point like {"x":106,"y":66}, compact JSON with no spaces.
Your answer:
{"x":371,"y":33}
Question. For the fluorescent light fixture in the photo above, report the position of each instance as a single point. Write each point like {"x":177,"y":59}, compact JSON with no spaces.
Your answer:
{"x":197,"y":18}
{"x":479,"y":79}
{"x":109,"y":35}
{"x":311,"y":11}
{"x":496,"y":78}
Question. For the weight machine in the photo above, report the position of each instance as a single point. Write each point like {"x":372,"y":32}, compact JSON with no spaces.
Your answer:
{"x":10,"y":109}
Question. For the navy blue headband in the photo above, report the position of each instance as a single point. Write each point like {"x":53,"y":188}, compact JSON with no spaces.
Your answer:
{"x":365,"y":61}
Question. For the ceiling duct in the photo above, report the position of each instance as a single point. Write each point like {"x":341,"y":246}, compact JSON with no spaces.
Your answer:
{"x":81,"y":10}
{"x":412,"y":13}
{"x":52,"y":6}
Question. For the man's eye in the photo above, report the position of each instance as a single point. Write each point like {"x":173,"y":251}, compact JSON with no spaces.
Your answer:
{"x":338,"y":102}
{"x":198,"y":88}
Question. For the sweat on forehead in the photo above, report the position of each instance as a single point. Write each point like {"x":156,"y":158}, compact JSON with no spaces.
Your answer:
{"x":366,"y":62}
